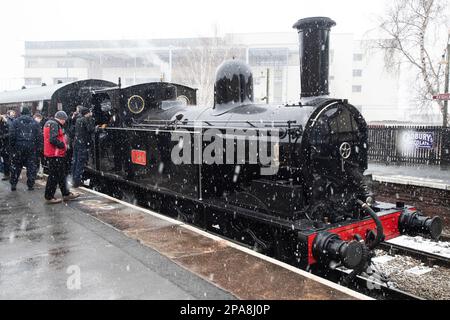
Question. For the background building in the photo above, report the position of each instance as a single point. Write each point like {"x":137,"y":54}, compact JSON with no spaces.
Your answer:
{"x":355,"y":73}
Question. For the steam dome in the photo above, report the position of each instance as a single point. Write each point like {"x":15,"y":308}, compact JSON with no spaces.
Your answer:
{"x":234,"y":84}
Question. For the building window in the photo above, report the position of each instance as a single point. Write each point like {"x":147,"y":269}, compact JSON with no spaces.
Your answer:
{"x":357,"y":73}
{"x":278,"y":85}
{"x":268,"y":56}
{"x":33,"y":81}
{"x":63,"y":80}
{"x":356,"y":88}
{"x":32,"y":63}
{"x":357,"y":57}
{"x":65,"y":64}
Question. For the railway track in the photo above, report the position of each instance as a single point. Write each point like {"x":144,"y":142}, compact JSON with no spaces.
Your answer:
{"x":416,"y":266}
{"x":427,"y":257}
{"x":432,"y":252}
{"x":407,"y":273}
{"x":378,"y":289}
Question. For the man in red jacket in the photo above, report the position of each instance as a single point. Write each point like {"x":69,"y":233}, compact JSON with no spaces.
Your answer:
{"x":55,"y":148}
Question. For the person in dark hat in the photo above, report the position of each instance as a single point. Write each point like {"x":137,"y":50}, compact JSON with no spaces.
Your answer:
{"x":24,"y":138}
{"x":4,"y":138}
{"x":84,"y":128}
{"x":71,"y":121}
{"x":55,"y":148}
{"x":40,"y":148}
{"x":70,"y":133}
{"x":4,"y":147}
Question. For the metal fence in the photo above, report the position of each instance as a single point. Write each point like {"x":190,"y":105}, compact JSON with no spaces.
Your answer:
{"x":408,"y":144}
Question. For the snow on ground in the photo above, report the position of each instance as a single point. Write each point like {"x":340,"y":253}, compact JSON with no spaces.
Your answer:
{"x":413,"y":276}
{"x":426,"y":245}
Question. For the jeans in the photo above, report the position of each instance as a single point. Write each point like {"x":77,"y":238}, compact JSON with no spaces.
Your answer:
{"x":6,"y":161}
{"x":80,"y":159}
{"x":56,"y":177}
{"x":20,"y":158}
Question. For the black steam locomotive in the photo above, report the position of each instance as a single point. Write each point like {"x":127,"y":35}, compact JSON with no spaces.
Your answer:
{"x":285,"y":179}
{"x":204,"y":165}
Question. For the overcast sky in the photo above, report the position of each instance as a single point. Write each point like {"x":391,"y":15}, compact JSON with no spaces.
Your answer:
{"x":22,"y":20}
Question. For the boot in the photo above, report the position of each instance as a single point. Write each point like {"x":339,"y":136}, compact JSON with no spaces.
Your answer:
{"x":53,"y":201}
{"x":71,"y":196}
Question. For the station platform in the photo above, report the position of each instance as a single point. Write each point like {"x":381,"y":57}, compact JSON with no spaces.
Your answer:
{"x":98,"y":247}
{"x":420,"y":176}
{"x":44,"y":248}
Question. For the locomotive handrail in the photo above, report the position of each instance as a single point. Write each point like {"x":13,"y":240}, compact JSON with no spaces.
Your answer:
{"x":160,"y":129}
{"x":227,"y":121}
{"x":322,"y":111}
{"x":102,"y":90}
{"x":185,"y":124}
{"x":291,"y":130}
{"x":191,"y":126}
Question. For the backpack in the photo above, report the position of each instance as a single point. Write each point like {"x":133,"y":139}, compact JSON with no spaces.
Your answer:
{"x":27,"y":133}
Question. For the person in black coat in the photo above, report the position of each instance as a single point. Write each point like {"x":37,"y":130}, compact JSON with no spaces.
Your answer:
{"x":4,"y":147}
{"x":5,"y":124}
{"x":69,"y":129}
{"x":84,"y":128}
{"x":24,"y":139}
{"x":55,"y":147}
{"x":40,"y":148}
{"x":71,"y":123}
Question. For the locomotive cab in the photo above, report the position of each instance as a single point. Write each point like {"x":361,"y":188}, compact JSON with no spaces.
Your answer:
{"x":101,"y":107}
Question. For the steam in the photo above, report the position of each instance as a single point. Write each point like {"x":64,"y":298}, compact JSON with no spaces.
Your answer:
{"x":140,"y":51}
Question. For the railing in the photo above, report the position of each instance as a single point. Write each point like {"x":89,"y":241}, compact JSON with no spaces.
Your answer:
{"x":392,"y":144}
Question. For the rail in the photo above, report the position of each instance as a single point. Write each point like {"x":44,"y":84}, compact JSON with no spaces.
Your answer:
{"x":419,"y":254}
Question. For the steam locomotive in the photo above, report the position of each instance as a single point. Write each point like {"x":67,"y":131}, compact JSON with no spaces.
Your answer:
{"x":285,"y":179}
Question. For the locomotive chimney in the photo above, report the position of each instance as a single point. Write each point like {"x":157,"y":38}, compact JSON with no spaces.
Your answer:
{"x":314,"y":40}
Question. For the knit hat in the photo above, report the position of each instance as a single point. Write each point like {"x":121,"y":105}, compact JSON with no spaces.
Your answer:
{"x":25,"y":111}
{"x":61,"y":115}
{"x":84,"y":111}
